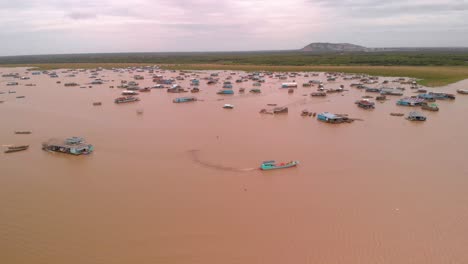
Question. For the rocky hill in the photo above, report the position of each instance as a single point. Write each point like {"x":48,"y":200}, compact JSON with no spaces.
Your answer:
{"x":333,"y":47}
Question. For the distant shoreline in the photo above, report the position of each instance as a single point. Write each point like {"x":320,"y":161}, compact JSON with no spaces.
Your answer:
{"x":431,"y":76}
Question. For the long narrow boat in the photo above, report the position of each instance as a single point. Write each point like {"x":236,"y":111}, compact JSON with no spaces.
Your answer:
{"x":16,"y":148}
{"x":272,"y":165}
{"x":23,"y":132}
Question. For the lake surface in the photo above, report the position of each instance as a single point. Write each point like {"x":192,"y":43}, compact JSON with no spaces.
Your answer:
{"x":179,"y":183}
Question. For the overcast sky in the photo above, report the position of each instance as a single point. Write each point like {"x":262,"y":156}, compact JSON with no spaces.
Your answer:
{"x":84,"y":26}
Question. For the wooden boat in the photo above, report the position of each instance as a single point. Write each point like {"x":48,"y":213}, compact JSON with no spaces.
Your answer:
{"x":16,"y":148}
{"x":255,"y":91}
{"x":272,"y":165}
{"x":21,"y":96}
{"x":128,"y":99}
{"x":462,"y":91}
{"x":318,"y":94}
{"x":23,"y":132}
{"x":397,"y":114}
{"x":290,"y":90}
{"x":97,"y":103}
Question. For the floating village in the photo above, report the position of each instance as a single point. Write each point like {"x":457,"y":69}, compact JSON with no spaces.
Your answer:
{"x":410,"y":100}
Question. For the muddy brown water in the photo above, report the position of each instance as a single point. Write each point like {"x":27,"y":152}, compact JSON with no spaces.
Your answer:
{"x":179,"y":183}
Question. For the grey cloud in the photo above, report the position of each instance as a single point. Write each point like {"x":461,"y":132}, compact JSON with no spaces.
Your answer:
{"x":81,"y":15}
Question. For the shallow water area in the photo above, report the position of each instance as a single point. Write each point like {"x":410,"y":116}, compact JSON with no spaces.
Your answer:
{"x":179,"y":183}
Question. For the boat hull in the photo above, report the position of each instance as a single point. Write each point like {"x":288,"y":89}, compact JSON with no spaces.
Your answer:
{"x":276,"y":167}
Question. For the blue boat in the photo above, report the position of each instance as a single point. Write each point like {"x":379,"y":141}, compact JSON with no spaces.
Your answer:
{"x":331,"y":118}
{"x":272,"y":165}
{"x":225,"y":92}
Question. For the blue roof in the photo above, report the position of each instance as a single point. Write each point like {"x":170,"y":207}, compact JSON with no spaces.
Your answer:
{"x":328,"y":115}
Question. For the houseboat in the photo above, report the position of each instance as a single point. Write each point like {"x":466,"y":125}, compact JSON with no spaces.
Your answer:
{"x":289,"y":85}
{"x":410,"y":101}
{"x":416,"y":116}
{"x":429,"y":107}
{"x":332,"y":118}
{"x":427,"y":97}
{"x":184,"y":99}
{"x":365,"y":104}
{"x":442,"y":96}
{"x":225,"y":91}
{"x":372,"y":90}
{"x":391,"y":91}
{"x":73,"y":145}
{"x":176,"y":89}
{"x":126,"y":99}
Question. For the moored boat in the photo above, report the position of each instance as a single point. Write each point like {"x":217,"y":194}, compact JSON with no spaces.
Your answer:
{"x":23,"y":132}
{"x":184,"y":99}
{"x":272,"y":165}
{"x":128,"y":92}
{"x":228,"y":106}
{"x":127,"y":99}
{"x":16,"y":148}
{"x":416,"y":116}
{"x":430,"y":107}
{"x":462,"y":91}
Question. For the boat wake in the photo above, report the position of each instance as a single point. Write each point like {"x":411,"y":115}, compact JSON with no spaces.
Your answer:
{"x":194,"y":154}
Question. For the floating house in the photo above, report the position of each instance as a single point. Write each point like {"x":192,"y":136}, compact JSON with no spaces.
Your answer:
{"x":365,"y":104}
{"x":410,"y":101}
{"x":289,"y":85}
{"x":73,"y":145}
{"x":390,"y":91}
{"x":184,"y":99}
{"x":427,"y":97}
{"x":372,"y":90}
{"x":227,"y":91}
{"x":416,"y":116}
{"x":176,"y":89}
{"x":442,"y":96}
{"x":331,"y":118}
{"x":430,"y":107}
{"x":126,"y":99}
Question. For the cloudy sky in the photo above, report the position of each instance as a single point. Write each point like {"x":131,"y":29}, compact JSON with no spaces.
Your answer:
{"x":84,"y":26}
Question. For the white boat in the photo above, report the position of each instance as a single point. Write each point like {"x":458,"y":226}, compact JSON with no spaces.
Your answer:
{"x":127,"y":92}
{"x":228,"y":106}
{"x":462,"y":91}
